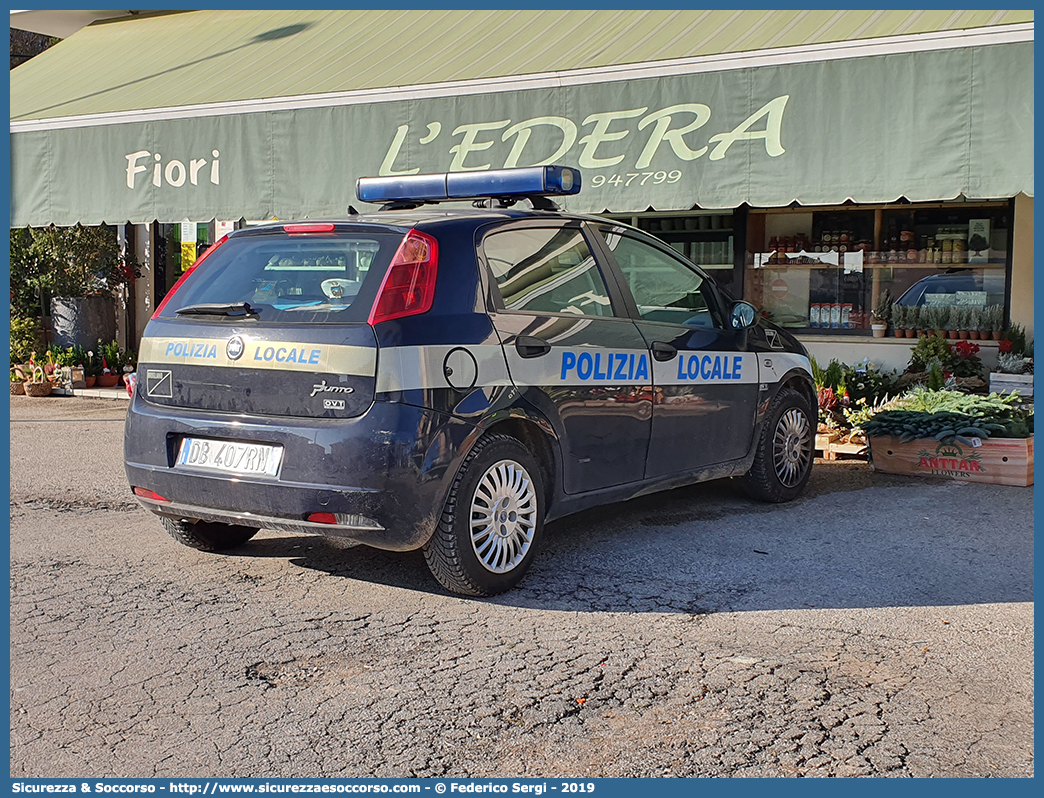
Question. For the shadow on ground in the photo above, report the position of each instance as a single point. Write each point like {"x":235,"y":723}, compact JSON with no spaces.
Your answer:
{"x":856,"y":539}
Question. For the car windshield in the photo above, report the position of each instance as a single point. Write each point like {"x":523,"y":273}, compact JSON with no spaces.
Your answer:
{"x":289,"y":278}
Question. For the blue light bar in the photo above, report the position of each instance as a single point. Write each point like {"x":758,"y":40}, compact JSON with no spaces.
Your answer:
{"x":532,"y":181}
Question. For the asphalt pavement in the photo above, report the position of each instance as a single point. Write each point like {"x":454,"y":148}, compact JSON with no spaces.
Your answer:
{"x":881,"y":625}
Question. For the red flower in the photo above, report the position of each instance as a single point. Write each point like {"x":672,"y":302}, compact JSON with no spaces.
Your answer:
{"x":966,"y":348}
{"x":1005,"y":345}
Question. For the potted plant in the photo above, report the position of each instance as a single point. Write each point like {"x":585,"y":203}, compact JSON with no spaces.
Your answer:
{"x":993,"y":321}
{"x":912,"y":320}
{"x":899,"y":320}
{"x":17,"y":383}
{"x":880,"y":314}
{"x":112,"y":364}
{"x":974,"y":320}
{"x":959,"y":321}
{"x":942,"y":320}
{"x":91,"y":369}
{"x":926,"y":325}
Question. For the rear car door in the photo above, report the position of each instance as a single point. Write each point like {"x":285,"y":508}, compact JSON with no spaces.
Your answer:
{"x":706,"y":384}
{"x":571,"y":350}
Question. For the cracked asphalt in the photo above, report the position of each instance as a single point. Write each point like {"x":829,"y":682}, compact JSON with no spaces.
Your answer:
{"x":880,"y":626}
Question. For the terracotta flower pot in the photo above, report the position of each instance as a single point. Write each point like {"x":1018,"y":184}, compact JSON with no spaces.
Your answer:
{"x":963,"y":335}
{"x":899,"y":333}
{"x":973,"y":335}
{"x":997,"y":335}
{"x":108,"y":380}
{"x":910,"y":333}
{"x":89,"y":381}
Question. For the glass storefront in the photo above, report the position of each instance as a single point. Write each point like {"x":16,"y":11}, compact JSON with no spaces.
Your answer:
{"x":707,"y":239}
{"x":825,"y":270}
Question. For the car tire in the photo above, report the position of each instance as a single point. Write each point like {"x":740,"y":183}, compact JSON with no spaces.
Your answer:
{"x":492,"y":521}
{"x":785,"y":450}
{"x":208,"y":535}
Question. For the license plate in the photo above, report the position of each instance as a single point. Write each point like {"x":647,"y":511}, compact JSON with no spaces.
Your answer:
{"x":229,"y":457}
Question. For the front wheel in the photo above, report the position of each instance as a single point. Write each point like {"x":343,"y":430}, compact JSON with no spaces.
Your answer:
{"x":783,"y":461}
{"x":208,"y":535}
{"x":492,"y":522}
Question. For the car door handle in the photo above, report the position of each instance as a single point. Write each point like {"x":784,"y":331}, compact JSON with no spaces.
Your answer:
{"x":530,"y":346}
{"x":663,"y":352}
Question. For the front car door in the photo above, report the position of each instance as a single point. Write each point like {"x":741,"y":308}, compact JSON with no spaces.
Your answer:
{"x":571,"y":349}
{"x":706,"y":384}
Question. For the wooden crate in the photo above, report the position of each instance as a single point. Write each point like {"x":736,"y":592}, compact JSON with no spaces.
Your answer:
{"x":832,"y":450}
{"x":1004,"y":383}
{"x":999,"y":461}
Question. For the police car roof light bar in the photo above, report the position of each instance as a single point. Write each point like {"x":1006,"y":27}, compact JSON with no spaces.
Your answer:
{"x":531,"y":181}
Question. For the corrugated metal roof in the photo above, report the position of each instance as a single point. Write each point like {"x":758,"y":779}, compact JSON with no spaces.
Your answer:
{"x":196,"y":57}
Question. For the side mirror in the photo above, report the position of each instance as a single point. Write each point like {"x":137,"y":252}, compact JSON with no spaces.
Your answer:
{"x":742,"y":316}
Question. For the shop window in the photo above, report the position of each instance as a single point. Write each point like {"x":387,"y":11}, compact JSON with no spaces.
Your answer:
{"x":828,"y":270}
{"x":706,"y":239}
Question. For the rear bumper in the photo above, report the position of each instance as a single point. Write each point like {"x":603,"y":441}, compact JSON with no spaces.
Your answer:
{"x":384,"y":473}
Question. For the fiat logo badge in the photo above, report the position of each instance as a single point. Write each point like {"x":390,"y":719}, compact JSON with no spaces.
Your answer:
{"x":234,"y":348}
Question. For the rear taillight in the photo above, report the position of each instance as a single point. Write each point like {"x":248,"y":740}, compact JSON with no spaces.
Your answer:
{"x":323,"y":518}
{"x":408,"y":288}
{"x":145,"y":493}
{"x":187,"y":272}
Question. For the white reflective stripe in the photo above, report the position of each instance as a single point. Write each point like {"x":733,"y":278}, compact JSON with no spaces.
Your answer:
{"x":701,"y":367}
{"x":774,"y":365}
{"x":408,"y":368}
{"x":262,"y":354}
{"x":581,"y":365}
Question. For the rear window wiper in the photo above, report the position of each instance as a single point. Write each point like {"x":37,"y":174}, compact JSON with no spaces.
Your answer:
{"x":217,"y":309}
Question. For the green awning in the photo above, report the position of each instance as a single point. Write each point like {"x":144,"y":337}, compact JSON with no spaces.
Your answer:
{"x":228,"y":114}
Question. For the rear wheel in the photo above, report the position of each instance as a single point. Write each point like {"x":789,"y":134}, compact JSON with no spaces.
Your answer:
{"x":208,"y":535}
{"x":492,"y":522}
{"x":783,"y":462}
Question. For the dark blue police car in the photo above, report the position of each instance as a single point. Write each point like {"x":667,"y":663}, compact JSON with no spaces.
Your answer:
{"x":452,"y":378}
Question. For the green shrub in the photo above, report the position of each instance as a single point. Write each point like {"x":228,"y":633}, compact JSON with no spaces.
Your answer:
{"x":931,"y":348}
{"x":25,"y":338}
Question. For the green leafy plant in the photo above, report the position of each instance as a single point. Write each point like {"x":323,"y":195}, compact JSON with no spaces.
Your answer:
{"x":931,"y":348}
{"x":958,"y":318}
{"x":65,"y":262}
{"x":1016,"y":334}
{"x":25,"y":338}
{"x":61,"y":357}
{"x":948,"y":416}
{"x":936,"y":377}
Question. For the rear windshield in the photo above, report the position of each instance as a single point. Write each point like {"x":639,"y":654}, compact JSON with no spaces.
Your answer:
{"x":308,"y":278}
